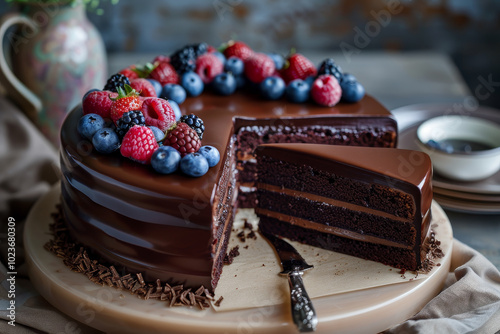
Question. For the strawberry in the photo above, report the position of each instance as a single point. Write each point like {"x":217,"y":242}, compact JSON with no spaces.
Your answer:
{"x":208,"y":66}
{"x":297,"y":67}
{"x":158,"y":112}
{"x":164,"y":73}
{"x":129,"y":73}
{"x":139,"y":144}
{"x":184,"y":139}
{"x":258,"y":67}
{"x":127,"y":99}
{"x":144,"y":87}
{"x":237,"y":49}
{"x":98,"y":102}
{"x":326,"y":90}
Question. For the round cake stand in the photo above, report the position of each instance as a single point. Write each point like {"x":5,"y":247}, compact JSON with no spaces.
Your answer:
{"x":116,"y":311}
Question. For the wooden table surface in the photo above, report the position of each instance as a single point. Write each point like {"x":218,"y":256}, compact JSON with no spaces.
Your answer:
{"x":396,"y":80}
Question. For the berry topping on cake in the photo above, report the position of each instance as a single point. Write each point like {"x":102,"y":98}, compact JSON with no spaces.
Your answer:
{"x":144,"y":87}
{"x":106,"y":141}
{"x":127,"y":100}
{"x":184,"y":60}
{"x":164,"y":73}
{"x":297,"y":66}
{"x":184,"y":139}
{"x":192,"y":83}
{"x":158,"y":112}
{"x":174,"y":92}
{"x":116,"y":81}
{"x":278,"y":59}
{"x":139,"y":144}
{"x":194,"y":123}
{"x":352,"y":90}
{"x":159,"y":135}
{"x":89,"y":124}
{"x":326,"y":90}
{"x":194,"y":164}
{"x":234,"y":65}
{"x":272,"y":88}
{"x":328,"y":66}
{"x":98,"y":102}
{"x":208,"y":66}
{"x":258,"y":67}
{"x":211,"y":154}
{"x":165,"y":160}
{"x":129,"y":73}
{"x":298,"y":91}
{"x":237,"y":49}
{"x":128,"y":120}
{"x":224,"y":84}
{"x":161,"y":59}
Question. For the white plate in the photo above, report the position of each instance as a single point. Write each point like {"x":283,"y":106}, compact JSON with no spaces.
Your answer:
{"x":112,"y":310}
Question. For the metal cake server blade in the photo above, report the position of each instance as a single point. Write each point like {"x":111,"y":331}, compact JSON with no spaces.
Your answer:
{"x":303,"y":313}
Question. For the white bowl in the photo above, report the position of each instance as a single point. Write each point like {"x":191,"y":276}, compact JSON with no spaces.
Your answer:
{"x":461,"y":165}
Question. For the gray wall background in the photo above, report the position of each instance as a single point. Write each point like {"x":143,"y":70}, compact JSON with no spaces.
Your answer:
{"x":467,"y":30}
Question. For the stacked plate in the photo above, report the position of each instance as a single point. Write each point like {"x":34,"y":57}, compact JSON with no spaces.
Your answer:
{"x":473,"y":197}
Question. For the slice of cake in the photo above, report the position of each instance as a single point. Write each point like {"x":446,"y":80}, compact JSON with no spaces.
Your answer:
{"x":372,"y":203}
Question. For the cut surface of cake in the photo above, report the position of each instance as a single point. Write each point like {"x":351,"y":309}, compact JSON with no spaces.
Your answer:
{"x":372,"y":203}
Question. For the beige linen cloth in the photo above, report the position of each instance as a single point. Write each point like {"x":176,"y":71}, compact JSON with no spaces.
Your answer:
{"x":468,"y":303}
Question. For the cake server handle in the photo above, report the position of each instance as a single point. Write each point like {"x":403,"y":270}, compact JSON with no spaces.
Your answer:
{"x":303,"y":313}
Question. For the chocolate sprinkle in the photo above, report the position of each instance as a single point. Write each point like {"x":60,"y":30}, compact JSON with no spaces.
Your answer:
{"x":77,"y":258}
{"x":217,"y":303}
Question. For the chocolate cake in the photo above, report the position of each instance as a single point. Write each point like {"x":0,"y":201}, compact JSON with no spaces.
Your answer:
{"x":174,"y":227}
{"x":372,"y":203}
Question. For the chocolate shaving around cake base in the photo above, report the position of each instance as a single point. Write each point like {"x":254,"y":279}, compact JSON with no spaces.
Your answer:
{"x":234,"y":252}
{"x":77,"y":258}
{"x":430,"y":251}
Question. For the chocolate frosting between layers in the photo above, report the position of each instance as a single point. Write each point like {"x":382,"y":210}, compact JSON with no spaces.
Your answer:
{"x":163,"y":225}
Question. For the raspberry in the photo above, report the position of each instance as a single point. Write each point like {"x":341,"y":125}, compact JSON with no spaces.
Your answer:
{"x":144,"y":87}
{"x":116,"y":81}
{"x":258,"y":67}
{"x":297,"y":67}
{"x":183,"y":139}
{"x":328,"y":66}
{"x":326,"y":90}
{"x":98,"y":102}
{"x":158,"y":112}
{"x":128,"y":120}
{"x":238,"y":49}
{"x":164,"y":73}
{"x":129,"y":73}
{"x":139,"y":144}
{"x":161,"y":59}
{"x":208,"y":66}
{"x":194,"y":123}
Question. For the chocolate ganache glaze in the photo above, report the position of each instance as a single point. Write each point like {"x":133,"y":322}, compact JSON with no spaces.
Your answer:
{"x":174,"y":227}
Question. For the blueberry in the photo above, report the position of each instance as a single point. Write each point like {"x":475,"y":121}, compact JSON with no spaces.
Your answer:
{"x":310,"y":80}
{"x":87,"y":93}
{"x":89,"y":124}
{"x":173,"y":92}
{"x":272,"y":88}
{"x":348,"y":77}
{"x":157,"y":86}
{"x":194,"y":164}
{"x":297,"y":91}
{"x":192,"y":83}
{"x":159,"y":135}
{"x":106,"y":141}
{"x":278,"y":59}
{"x":165,"y":160}
{"x":352,"y":91}
{"x":234,"y":65}
{"x":224,"y":84}
{"x":211,"y":154}
{"x":177,"y":110}
{"x":220,"y":56}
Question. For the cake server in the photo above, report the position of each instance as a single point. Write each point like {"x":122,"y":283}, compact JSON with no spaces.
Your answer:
{"x":303,"y":313}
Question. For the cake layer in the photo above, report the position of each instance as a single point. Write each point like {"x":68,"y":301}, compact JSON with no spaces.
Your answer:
{"x":355,"y":193}
{"x":175,"y":227}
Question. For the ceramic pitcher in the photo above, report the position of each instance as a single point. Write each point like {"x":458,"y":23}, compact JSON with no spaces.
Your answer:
{"x":56,"y":55}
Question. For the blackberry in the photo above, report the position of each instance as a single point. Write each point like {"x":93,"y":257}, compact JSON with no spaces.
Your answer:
{"x":115,"y":81}
{"x":194,"y":123}
{"x":184,"y":60}
{"x":128,"y":120}
{"x":328,"y":66}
